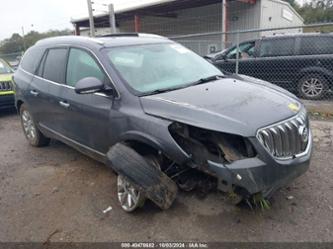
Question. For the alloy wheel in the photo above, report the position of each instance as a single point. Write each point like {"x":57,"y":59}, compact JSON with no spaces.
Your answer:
{"x":129,"y":197}
{"x":28,"y":125}
{"x":312,"y":87}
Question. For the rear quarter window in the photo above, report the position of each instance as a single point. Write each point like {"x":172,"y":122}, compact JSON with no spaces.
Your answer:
{"x":277,"y":47}
{"x":31,"y":59}
{"x":316,"y":45}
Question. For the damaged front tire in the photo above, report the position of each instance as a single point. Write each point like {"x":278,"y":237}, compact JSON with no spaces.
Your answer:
{"x":129,"y":197}
{"x":141,"y":174}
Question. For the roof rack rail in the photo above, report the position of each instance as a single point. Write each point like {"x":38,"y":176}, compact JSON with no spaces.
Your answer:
{"x":119,"y":35}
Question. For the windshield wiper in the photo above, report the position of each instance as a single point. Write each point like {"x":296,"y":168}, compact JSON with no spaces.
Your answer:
{"x":207,"y":79}
{"x":201,"y":81}
{"x":163,"y":90}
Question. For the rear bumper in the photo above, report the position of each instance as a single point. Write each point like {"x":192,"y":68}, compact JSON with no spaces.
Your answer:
{"x":7,"y":101}
{"x":260,"y":174}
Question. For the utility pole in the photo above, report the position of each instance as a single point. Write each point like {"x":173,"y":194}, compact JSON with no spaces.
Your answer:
{"x":91,"y":19}
{"x":24,"y":47}
{"x":112,"y":19}
{"x":223,"y":24}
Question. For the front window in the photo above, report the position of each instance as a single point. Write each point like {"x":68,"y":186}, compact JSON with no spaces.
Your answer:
{"x":246,"y":50}
{"x":81,"y":65}
{"x":153,"y":67}
{"x":4,"y":68}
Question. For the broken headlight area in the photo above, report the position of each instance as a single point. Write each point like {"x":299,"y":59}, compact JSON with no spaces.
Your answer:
{"x":205,"y":145}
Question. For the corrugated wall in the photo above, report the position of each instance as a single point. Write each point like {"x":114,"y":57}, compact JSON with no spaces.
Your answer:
{"x":277,"y":14}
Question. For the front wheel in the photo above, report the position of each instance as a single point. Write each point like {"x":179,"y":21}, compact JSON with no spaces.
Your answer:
{"x":31,"y":132}
{"x":313,"y":87}
{"x":129,"y":197}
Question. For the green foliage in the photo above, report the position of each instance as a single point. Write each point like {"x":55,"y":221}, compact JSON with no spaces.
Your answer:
{"x":293,"y":3}
{"x":260,"y":202}
{"x":16,"y":43}
{"x":315,"y":11}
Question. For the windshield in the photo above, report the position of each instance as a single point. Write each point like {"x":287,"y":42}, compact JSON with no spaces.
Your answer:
{"x":4,"y":68}
{"x":153,"y":67}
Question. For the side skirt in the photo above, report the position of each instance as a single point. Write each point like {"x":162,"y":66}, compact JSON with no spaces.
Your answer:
{"x":94,"y":154}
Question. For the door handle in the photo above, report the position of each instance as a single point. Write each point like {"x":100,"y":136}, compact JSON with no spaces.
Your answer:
{"x":34,"y":93}
{"x":64,"y":104}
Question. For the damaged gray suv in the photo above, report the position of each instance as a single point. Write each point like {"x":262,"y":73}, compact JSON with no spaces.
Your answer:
{"x":161,"y":117}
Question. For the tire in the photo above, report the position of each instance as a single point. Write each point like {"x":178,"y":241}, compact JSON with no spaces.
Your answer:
{"x":31,"y":132}
{"x":126,"y":191}
{"x":313,"y":86}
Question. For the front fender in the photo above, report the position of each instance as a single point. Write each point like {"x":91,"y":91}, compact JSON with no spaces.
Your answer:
{"x":143,"y":138}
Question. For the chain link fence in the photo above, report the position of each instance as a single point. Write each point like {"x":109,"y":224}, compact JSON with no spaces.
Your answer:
{"x":297,"y":58}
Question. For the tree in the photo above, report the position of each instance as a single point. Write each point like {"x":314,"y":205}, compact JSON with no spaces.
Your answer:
{"x":317,"y":11}
{"x":16,"y":43}
{"x":293,"y":4}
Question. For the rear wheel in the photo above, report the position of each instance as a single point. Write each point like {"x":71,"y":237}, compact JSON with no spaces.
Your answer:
{"x":313,"y":86}
{"x":31,"y":132}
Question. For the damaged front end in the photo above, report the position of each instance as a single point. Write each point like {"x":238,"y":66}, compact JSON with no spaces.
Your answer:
{"x":206,"y":149}
{"x":239,"y":165}
{"x":248,"y":168}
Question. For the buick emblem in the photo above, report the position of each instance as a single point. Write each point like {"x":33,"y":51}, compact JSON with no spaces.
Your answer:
{"x":304,"y":133}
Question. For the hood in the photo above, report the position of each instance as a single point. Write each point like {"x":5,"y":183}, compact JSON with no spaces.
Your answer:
{"x":264,"y":83}
{"x":226,"y":105}
{"x":6,"y":77}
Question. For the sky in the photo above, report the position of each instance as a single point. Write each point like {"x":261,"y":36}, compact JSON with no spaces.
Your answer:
{"x":42,"y":15}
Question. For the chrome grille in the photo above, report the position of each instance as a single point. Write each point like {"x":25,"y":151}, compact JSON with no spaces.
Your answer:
{"x":288,"y":138}
{"x":6,"y":86}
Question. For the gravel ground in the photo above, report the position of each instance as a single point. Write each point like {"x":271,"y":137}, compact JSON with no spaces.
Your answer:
{"x":57,"y":194}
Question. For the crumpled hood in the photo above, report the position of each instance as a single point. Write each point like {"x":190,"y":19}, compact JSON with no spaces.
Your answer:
{"x":226,"y":105}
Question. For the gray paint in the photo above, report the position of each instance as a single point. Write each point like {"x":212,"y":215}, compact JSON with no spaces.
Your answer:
{"x":94,"y":123}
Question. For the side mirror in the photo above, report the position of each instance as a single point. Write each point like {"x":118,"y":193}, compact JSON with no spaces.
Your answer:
{"x":89,"y":85}
{"x":221,"y":57}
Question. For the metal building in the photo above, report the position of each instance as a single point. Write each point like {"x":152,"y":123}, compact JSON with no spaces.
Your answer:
{"x":176,"y":18}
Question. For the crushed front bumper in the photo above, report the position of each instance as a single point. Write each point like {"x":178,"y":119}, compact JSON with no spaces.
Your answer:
{"x":263,"y":173}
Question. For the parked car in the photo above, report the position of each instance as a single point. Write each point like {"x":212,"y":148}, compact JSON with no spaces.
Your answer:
{"x":302,"y":63}
{"x":161,"y":117}
{"x":6,"y":86}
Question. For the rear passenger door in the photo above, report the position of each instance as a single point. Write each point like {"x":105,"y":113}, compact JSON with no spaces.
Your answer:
{"x":47,"y":88}
{"x":315,"y":54}
{"x":87,"y":115}
{"x":276,"y":61}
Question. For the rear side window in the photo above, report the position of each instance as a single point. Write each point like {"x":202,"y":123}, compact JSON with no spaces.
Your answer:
{"x":55,"y":65}
{"x":277,"y":47}
{"x":81,"y":65}
{"x":31,"y":58}
{"x":316,"y":45}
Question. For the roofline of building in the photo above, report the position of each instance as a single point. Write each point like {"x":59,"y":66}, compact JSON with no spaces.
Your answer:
{"x":126,"y":9}
{"x":158,"y":2}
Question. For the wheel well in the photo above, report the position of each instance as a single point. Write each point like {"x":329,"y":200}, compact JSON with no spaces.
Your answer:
{"x":18,"y":104}
{"x":141,"y":147}
{"x":322,"y":74}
